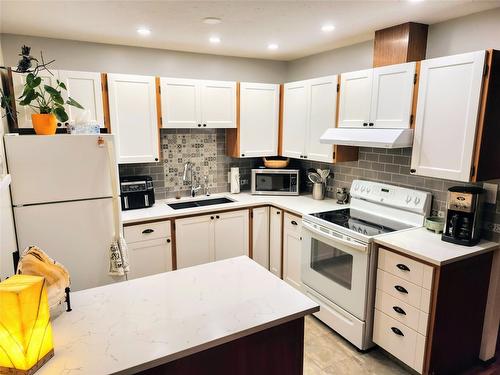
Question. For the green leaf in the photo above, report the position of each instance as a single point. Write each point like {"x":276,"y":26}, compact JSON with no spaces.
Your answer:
{"x":61,"y":114}
{"x":62,"y":85}
{"x":29,"y":97}
{"x":29,"y":79}
{"x":36,"y":82}
{"x":74,"y":103}
{"x":57,"y":99}
{"x":25,"y":91}
{"x":51,"y":91}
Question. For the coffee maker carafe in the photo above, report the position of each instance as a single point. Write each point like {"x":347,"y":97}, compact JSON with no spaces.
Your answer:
{"x":463,"y":215}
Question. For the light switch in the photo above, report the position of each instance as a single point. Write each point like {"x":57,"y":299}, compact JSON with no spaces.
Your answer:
{"x":491,"y":192}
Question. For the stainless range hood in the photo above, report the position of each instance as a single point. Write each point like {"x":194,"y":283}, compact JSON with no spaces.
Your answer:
{"x":381,"y":138}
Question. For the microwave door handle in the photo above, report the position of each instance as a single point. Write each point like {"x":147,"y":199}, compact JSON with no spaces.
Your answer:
{"x":355,"y":245}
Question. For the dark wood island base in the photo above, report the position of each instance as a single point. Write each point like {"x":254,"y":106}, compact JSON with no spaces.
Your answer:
{"x":275,"y":351}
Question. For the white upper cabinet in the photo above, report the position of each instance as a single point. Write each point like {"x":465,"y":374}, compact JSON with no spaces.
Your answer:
{"x":132,"y":109}
{"x":24,"y":112}
{"x":218,"y":104}
{"x":86,"y":89}
{"x":190,"y":103}
{"x":392,"y":96}
{"x":355,"y":98}
{"x":322,"y":112}
{"x":447,"y":115}
{"x":309,"y":109}
{"x":180,"y":104}
{"x":259,"y":116}
{"x":295,"y":117}
{"x":380,"y":97}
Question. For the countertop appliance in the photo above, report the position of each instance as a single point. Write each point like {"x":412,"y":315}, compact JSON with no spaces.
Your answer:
{"x":275,"y":181}
{"x":62,"y":201}
{"x":338,"y":261}
{"x":464,"y":208}
{"x":136,"y":192}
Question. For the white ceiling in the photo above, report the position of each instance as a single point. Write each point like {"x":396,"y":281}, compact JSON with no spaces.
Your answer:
{"x":247,"y":26}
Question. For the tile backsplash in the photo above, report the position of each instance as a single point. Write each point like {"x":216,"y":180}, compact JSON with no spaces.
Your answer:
{"x":206,"y":149}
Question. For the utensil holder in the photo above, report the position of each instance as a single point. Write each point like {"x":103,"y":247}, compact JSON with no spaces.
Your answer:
{"x":318,"y":192}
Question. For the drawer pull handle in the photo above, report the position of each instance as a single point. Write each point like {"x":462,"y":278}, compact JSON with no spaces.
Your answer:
{"x":147,"y":231}
{"x":402,"y":267}
{"x":400,"y":289}
{"x":397,"y":331}
{"x":217,"y":217}
{"x":399,"y":310}
{"x":211,"y":217}
{"x":294,"y":222}
{"x":168,"y":240}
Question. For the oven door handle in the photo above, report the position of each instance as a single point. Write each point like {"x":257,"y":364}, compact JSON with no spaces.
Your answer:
{"x":354,"y":245}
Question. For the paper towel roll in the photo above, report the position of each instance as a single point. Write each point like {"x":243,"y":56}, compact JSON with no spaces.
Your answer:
{"x":235,"y":180}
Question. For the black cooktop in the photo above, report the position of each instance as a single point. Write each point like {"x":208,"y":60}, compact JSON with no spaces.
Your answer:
{"x":345,"y":219}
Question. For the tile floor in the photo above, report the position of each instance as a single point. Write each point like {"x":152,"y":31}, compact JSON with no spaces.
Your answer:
{"x":326,"y":353}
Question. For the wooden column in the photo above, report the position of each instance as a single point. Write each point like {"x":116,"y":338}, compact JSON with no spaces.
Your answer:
{"x":399,"y":44}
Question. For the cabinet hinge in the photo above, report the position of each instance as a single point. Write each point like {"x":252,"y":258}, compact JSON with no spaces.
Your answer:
{"x":472,"y":171}
{"x":411,"y":119}
{"x":485,"y":70}
{"x":415,"y":79}
{"x":338,"y":87}
{"x":251,"y":214}
{"x":333,"y":155}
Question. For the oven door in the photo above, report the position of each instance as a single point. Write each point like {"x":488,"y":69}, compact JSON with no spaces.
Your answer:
{"x":336,"y":268}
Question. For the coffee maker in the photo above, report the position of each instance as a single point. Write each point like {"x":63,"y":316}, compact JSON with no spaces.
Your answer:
{"x":463,"y":215}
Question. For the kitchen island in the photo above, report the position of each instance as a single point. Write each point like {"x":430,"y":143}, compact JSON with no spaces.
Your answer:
{"x":226,"y":317}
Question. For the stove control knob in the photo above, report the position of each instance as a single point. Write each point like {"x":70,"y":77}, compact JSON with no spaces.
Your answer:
{"x":356,"y":187}
{"x":408,"y":199}
{"x":417,"y":200}
{"x":362,"y":189}
{"x":368,"y":190}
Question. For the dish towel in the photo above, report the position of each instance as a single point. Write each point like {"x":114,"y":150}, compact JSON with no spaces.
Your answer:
{"x":118,"y":250}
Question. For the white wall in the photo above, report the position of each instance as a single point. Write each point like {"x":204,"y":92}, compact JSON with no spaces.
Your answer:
{"x":7,"y":234}
{"x":74,"y":55}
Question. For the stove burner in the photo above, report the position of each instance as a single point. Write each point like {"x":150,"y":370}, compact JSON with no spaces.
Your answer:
{"x":344,"y":219}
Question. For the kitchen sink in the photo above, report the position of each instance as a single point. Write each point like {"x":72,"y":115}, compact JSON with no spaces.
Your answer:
{"x":199,"y":203}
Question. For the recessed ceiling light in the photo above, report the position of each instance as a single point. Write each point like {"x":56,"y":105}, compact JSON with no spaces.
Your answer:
{"x":214,"y":39}
{"x":211,"y":20}
{"x":272,"y":46}
{"x":144,"y":31}
{"x":327,"y":28}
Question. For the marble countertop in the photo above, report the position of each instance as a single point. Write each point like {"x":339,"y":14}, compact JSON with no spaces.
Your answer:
{"x":428,"y":246}
{"x":299,"y":205}
{"x":134,"y":325}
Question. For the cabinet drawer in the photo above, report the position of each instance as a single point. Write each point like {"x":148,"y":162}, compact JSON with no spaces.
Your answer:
{"x":403,"y":290}
{"x":402,"y":342}
{"x":402,"y":312}
{"x":143,"y":232}
{"x":406,"y":268}
{"x":293,"y":224}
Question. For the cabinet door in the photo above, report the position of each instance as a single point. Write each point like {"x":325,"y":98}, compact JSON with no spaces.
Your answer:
{"x":194,"y":238}
{"x":259,"y":112}
{"x":292,"y":248}
{"x":275,"y":241}
{"x":132,"y":109}
{"x":180,"y":103}
{"x":24,"y":112}
{"x":355,"y":98}
{"x":295,"y":119}
{"x":86,"y":89}
{"x":231,"y":234}
{"x":392,"y":96}
{"x":447,"y":111}
{"x":260,"y":236}
{"x":322,"y":113}
{"x":218,"y":104}
{"x":149,"y":257}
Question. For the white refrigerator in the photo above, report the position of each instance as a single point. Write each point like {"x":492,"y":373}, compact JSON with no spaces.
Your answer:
{"x":62,"y":201}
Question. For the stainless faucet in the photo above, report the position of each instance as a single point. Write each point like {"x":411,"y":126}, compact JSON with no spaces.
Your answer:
{"x":188,"y":167}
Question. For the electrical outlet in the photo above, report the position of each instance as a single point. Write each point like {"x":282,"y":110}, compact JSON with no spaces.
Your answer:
{"x":244,"y":181}
{"x":441,"y":213}
{"x":491,"y":192}
{"x":496,"y":228}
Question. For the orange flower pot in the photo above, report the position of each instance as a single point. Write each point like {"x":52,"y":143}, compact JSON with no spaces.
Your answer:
{"x":44,"y":124}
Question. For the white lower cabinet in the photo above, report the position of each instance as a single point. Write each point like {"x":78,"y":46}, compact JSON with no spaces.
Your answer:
{"x":292,"y":247}
{"x":275,"y":240}
{"x":260,"y":236}
{"x":206,"y":238}
{"x":150,"y":249}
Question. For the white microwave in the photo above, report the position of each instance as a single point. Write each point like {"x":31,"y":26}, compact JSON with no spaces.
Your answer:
{"x":275,"y":181}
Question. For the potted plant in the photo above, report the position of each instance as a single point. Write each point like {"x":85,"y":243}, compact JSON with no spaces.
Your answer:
{"x":40,"y":97}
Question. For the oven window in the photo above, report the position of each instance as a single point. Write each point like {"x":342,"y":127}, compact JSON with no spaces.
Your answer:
{"x":332,"y":263}
{"x":272,"y":182}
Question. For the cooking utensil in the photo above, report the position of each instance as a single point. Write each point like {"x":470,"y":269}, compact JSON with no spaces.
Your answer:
{"x":324,"y":173}
{"x":314,"y":177}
